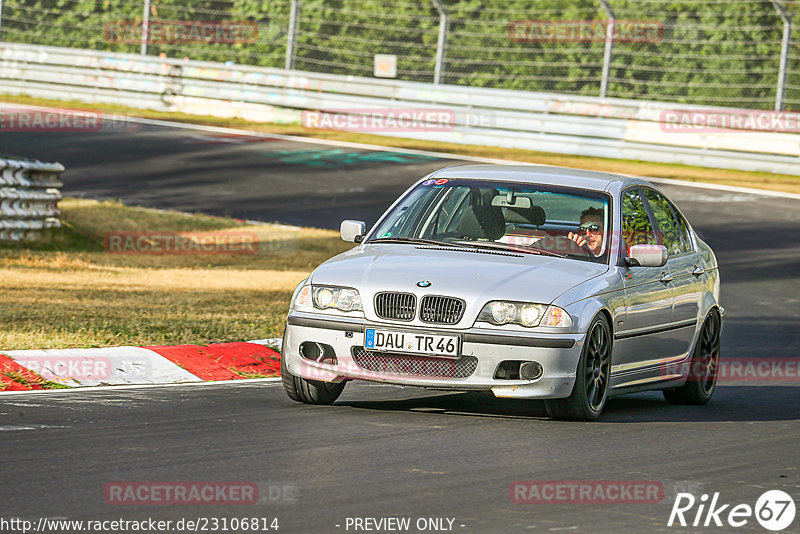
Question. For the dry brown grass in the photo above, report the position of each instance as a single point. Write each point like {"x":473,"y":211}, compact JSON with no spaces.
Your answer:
{"x":66,"y":291}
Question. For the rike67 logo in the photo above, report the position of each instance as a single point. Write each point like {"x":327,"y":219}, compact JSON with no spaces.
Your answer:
{"x":774,"y":510}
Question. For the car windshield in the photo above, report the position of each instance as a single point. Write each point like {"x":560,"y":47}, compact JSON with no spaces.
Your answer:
{"x":519,"y":217}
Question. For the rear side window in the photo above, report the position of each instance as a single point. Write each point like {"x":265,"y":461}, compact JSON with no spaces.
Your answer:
{"x":685,"y":237}
{"x":665,"y":219}
{"x":636,"y":227}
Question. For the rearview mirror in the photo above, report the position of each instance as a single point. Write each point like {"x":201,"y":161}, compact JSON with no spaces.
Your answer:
{"x":353,"y":231}
{"x":516,"y":202}
{"x":647,"y":256}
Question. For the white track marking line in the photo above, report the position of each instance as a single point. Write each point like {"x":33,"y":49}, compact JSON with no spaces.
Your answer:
{"x":315,"y":141}
{"x":92,"y":389}
{"x":15,"y":428}
{"x":273,"y":343}
{"x":445,"y":155}
{"x":721,"y":187}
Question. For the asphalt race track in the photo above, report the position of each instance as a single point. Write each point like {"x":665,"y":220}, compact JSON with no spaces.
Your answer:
{"x":259,"y":178}
{"x":385,"y":451}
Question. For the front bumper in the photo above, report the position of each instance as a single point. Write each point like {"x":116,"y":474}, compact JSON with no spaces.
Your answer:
{"x":482,"y":351}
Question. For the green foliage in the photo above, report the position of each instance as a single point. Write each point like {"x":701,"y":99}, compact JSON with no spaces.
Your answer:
{"x":719,"y":53}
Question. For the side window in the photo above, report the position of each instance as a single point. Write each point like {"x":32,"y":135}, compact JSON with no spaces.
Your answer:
{"x":636,"y":227}
{"x":687,"y":240}
{"x":447,"y":211}
{"x":665,"y":219}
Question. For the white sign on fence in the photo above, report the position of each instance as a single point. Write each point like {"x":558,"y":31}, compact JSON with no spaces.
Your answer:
{"x":385,"y":66}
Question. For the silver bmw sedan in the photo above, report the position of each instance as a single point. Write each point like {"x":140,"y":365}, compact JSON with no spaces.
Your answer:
{"x":530,"y":281}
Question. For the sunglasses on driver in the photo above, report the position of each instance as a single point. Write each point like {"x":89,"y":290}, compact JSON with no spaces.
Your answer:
{"x":590,"y":227}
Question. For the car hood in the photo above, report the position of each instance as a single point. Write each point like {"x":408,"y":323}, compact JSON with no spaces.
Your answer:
{"x":462,"y":273}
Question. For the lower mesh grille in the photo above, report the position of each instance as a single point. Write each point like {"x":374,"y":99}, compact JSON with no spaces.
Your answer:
{"x":391,"y":363}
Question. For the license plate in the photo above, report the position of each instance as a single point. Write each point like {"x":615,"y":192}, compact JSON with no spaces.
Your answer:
{"x":411,"y":342}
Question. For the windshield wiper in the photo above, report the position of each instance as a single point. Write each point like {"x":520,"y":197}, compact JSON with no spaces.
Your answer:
{"x":414,"y":241}
{"x":504,"y":247}
{"x":463,"y":244}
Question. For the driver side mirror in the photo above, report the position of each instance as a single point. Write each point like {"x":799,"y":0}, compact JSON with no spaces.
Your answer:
{"x":647,"y":256}
{"x":354,"y":231}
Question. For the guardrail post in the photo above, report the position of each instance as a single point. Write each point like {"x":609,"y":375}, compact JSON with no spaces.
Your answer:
{"x":145,"y":27}
{"x":29,"y":195}
{"x":612,"y":21}
{"x":294,"y":15}
{"x":441,"y":44}
{"x":783,"y":67}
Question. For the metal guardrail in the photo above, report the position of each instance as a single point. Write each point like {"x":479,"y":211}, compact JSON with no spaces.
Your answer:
{"x":29,"y":195}
{"x":548,"y":122}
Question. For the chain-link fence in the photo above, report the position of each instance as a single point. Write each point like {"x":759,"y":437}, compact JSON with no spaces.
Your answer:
{"x":741,"y":53}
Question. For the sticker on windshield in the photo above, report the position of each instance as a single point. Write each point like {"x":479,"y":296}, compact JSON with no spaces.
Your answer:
{"x":386,"y":234}
{"x":441,"y":181}
{"x":428,"y":182}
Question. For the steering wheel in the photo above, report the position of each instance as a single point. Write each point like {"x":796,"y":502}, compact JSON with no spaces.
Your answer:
{"x":563,"y":245}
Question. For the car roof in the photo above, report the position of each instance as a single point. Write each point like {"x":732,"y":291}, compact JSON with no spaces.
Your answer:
{"x":541,"y":174}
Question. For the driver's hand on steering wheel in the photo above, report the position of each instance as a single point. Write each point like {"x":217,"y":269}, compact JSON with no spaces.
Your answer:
{"x":578,"y":238}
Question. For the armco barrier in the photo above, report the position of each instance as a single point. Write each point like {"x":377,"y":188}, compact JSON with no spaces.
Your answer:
{"x":602,"y":127}
{"x":29,"y":195}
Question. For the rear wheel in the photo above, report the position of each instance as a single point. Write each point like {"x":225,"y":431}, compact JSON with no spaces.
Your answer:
{"x":703,"y":369}
{"x":308,"y":391}
{"x":591,"y":381}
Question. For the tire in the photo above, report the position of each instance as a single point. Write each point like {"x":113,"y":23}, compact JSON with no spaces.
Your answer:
{"x":590,"y":392}
{"x":702,"y":377}
{"x":308,"y":391}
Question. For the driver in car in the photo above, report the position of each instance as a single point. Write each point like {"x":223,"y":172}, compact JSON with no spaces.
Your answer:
{"x":590,"y":232}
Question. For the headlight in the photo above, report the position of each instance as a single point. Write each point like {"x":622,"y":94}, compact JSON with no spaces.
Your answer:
{"x":502,"y":312}
{"x":530,"y":315}
{"x":527,"y":314}
{"x":341,"y":298}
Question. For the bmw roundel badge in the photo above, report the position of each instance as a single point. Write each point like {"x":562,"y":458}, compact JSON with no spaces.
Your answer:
{"x":424,"y":283}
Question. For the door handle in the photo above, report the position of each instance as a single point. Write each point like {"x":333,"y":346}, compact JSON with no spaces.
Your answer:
{"x":698,"y":270}
{"x":665,"y":278}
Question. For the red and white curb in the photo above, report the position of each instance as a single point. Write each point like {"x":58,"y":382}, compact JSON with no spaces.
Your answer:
{"x":22,"y":370}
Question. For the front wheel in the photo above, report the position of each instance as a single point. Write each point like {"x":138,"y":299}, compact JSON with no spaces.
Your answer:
{"x":308,"y":391}
{"x":702,"y":377}
{"x":591,"y":381}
